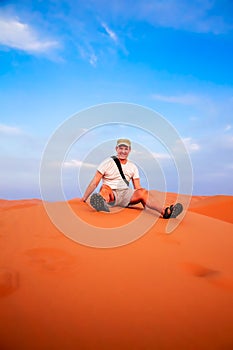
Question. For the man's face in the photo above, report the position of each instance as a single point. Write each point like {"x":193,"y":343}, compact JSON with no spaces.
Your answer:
{"x":123,"y":151}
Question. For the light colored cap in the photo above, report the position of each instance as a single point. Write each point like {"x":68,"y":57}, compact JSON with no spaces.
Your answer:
{"x":124,"y":142}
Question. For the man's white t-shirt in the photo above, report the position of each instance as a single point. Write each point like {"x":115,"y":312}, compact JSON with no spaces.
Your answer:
{"x":112,"y":176}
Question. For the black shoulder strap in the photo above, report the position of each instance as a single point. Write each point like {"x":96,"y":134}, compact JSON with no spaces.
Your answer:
{"x":118,"y":163}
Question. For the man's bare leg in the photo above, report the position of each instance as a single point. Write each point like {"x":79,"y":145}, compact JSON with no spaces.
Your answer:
{"x":148,"y":199}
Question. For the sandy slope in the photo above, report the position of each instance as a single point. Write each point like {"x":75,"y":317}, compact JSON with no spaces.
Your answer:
{"x":219,"y":207}
{"x":160,"y":292}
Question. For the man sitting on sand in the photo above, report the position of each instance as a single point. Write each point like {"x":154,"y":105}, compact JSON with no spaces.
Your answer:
{"x":115,"y":190}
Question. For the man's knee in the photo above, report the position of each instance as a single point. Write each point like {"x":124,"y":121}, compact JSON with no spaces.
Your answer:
{"x":142,"y":194}
{"x":107,"y":193}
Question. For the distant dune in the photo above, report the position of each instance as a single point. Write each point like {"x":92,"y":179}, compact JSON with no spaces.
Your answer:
{"x":163,"y":291}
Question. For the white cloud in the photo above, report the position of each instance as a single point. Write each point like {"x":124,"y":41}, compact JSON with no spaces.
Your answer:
{"x":112,"y":35}
{"x":9,"y":130}
{"x":18,"y":35}
{"x":93,"y":60}
{"x":73,"y":163}
{"x":228,"y":127}
{"x":161,"y":156}
{"x":87,"y":53}
{"x":185,"y":99}
{"x":191,"y":145}
{"x":187,"y":142}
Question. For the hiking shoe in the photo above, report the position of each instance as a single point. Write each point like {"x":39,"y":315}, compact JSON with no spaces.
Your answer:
{"x":99,"y":203}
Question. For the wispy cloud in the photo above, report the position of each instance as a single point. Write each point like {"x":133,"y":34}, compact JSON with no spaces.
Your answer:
{"x":93,"y":59}
{"x":228,"y":128}
{"x":111,"y":34}
{"x":73,"y":163}
{"x":162,"y":156}
{"x":198,"y":16}
{"x":21,"y":36}
{"x":191,"y":145}
{"x":185,"y":99}
{"x":201,"y":16}
{"x":87,"y":53}
{"x":89,"y":44}
{"x":8,"y":130}
{"x":187,"y":142}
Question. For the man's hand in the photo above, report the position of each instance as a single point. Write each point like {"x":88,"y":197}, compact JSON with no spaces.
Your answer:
{"x":92,"y":186}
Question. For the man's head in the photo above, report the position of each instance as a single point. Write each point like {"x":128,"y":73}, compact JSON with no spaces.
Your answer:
{"x":123,"y":147}
{"x":124,"y":142}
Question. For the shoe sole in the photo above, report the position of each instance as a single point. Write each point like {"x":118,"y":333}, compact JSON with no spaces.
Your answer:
{"x":176,"y":210}
{"x":98,"y":203}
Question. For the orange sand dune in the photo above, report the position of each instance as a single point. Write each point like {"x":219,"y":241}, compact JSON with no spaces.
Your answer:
{"x":6,"y":204}
{"x":219,"y":207}
{"x":162,"y":291}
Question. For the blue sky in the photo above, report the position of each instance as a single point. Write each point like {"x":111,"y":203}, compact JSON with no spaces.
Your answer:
{"x":60,"y":57}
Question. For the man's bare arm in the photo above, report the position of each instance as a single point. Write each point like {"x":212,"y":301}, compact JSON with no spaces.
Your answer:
{"x":92,"y":185}
{"x":136,"y":184}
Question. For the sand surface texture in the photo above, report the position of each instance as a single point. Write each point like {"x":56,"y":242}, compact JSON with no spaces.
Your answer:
{"x":163,"y":291}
